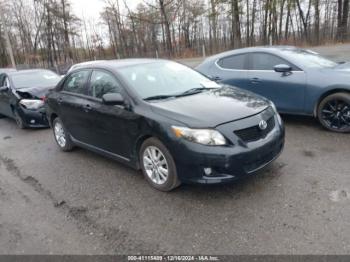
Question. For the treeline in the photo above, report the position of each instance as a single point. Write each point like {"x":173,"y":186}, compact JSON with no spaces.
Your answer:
{"x":48,"y":33}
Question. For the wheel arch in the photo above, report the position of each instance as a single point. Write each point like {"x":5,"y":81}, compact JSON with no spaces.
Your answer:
{"x":139,"y":143}
{"x":137,"y":148}
{"x":53,"y":116}
{"x":328,"y":93}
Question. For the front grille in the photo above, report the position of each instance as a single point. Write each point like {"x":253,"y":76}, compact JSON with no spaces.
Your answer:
{"x":254,"y":133}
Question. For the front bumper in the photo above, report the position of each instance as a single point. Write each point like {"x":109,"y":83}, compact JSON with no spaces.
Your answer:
{"x":227,"y":163}
{"x":34,"y":118}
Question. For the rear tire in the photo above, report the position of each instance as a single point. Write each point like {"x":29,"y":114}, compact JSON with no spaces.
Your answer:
{"x":62,"y":137}
{"x":158,"y":165}
{"x":19,"y":121}
{"x":334,"y":112}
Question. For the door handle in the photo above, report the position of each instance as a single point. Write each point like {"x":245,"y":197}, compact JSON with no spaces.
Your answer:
{"x":216,"y":78}
{"x":255,"y":80}
{"x":87,"y":108}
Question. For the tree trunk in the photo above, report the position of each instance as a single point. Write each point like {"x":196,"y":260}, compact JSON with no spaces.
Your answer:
{"x":167,"y":28}
{"x":236,"y":27}
{"x":317,"y":21}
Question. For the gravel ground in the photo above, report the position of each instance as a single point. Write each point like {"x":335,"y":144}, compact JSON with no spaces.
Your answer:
{"x":81,"y":203}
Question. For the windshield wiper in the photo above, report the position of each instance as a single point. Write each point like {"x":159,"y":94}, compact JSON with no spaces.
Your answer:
{"x":158,"y":97}
{"x":193,"y":91}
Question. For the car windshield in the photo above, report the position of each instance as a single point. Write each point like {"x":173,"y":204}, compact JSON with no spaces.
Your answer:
{"x":43,"y":78}
{"x":163,"y":79}
{"x":309,"y":59}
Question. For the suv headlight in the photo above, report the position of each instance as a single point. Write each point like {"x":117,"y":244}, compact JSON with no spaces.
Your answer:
{"x":31,"y":104}
{"x":200,"y":136}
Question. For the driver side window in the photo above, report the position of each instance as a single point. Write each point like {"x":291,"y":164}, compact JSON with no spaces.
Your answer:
{"x":102,"y":83}
{"x":264,"y":61}
{"x":6,"y":82}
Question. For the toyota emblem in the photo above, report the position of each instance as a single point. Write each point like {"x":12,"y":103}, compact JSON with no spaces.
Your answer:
{"x":262,"y":125}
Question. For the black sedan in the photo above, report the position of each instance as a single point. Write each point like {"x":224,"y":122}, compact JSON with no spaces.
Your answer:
{"x":22,"y":95}
{"x":166,"y":119}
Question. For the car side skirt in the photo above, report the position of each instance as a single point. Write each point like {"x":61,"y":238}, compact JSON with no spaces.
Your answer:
{"x":105,"y":153}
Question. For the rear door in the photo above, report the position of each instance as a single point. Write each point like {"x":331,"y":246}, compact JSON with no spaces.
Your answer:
{"x":72,"y":99}
{"x":232,"y":70}
{"x":286,"y":90}
{"x":114,"y":127}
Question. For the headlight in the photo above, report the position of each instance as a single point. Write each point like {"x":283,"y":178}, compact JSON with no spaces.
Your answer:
{"x":201,"y":136}
{"x":277,"y":114}
{"x":273,"y":106}
{"x":31,"y":104}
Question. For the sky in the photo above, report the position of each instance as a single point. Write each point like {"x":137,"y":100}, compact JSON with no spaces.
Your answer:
{"x":91,"y":9}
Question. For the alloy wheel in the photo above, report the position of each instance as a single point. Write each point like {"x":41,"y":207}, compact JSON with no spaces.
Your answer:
{"x":336,"y":114}
{"x":156,"y":165}
{"x":60,"y":134}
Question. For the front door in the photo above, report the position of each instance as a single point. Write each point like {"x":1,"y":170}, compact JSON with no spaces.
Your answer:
{"x":286,"y":90}
{"x":114,"y":127}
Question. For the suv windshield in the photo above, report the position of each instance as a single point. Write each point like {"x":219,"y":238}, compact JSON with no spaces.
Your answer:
{"x":309,"y":58}
{"x":42,"y":78}
{"x":164,"y":79}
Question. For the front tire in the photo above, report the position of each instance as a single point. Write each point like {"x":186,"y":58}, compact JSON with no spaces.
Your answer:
{"x":334,"y":112}
{"x":19,"y":121}
{"x":158,"y":165}
{"x":62,"y":136}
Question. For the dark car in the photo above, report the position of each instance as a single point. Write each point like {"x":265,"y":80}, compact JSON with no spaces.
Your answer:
{"x":298,"y":81}
{"x":22,"y":95}
{"x":166,"y":119}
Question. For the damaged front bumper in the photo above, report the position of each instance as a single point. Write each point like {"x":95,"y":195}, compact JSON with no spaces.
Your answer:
{"x":33,"y":118}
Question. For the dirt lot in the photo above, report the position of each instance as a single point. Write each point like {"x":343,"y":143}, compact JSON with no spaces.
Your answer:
{"x":81,"y":203}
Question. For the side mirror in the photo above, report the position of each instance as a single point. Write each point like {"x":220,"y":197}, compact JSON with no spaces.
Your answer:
{"x":282,"y":68}
{"x":113,"y":99}
{"x":214,"y":78}
{"x":3,"y":88}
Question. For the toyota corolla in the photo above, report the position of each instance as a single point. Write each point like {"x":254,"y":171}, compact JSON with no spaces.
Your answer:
{"x":166,"y":119}
{"x":22,"y":95}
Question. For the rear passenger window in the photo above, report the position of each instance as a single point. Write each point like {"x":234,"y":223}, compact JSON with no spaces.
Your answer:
{"x":233,"y":62}
{"x":103,"y":83}
{"x":76,"y":82}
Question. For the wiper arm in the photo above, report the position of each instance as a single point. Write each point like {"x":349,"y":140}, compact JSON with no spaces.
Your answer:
{"x":194,"y":91}
{"x":158,"y":97}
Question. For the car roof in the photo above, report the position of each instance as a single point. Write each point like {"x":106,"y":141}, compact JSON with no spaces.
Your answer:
{"x":26,"y":71}
{"x":6,"y":70}
{"x":270,"y":49}
{"x":120,"y":63}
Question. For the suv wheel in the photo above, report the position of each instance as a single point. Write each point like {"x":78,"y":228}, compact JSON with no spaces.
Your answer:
{"x":158,"y":165}
{"x":334,"y":112}
{"x":62,"y":137}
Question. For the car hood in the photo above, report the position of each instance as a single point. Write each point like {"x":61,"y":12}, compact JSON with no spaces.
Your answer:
{"x":212,"y":108}
{"x":33,"y":92}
